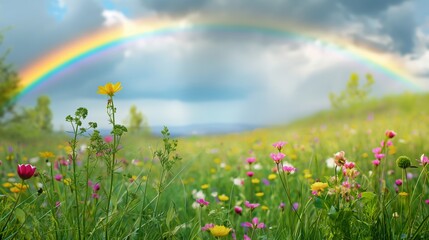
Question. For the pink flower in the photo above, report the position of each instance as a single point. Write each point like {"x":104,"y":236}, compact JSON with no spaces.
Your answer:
{"x":108,"y":139}
{"x":389,"y":143}
{"x":398,"y":182}
{"x":238,"y":210}
{"x":251,"y":160}
{"x":26,"y":171}
{"x":295,"y":206}
{"x":390,"y":134}
{"x":349,"y":165}
{"x":245,"y":237}
{"x":202,"y":202}
{"x":289,"y":169}
{"x":96,"y":187}
{"x":424,"y":160}
{"x":254,"y":224}
{"x":282,"y":206}
{"x":277,"y":157}
{"x":207,"y":227}
{"x":427,"y":201}
{"x":95,"y":196}
{"x":250,"y":174}
{"x":376,"y":162}
{"x":340,"y":158}
{"x":251,"y":205}
{"x":58,"y":177}
{"x":279,"y":145}
{"x":57,"y":204}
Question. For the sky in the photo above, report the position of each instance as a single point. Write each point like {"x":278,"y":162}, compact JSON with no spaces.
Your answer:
{"x":274,"y":73}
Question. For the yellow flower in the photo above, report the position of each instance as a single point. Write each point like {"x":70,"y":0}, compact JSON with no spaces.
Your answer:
{"x":212,"y":170}
{"x":144,"y":178}
{"x":7,"y":184}
{"x":318,"y":186}
{"x":259,"y":194}
{"x":227,"y":167}
{"x":18,"y":187}
{"x":272,"y":176}
{"x":223,"y":198}
{"x":67,"y":181}
{"x":403,"y":194}
{"x":204,"y":186}
{"x":219,"y":231}
{"x":11,"y":175}
{"x":255,"y":181}
{"x":46,"y":155}
{"x":110,"y":89}
{"x":217,"y":161}
{"x":264,"y":208}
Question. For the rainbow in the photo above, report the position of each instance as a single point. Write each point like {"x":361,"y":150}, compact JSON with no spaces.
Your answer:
{"x":47,"y":67}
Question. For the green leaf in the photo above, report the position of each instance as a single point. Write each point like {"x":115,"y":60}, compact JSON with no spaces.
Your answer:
{"x":333,"y":214}
{"x":367,"y":196}
{"x":20,"y":215}
{"x":319,"y":203}
{"x":170,"y":215}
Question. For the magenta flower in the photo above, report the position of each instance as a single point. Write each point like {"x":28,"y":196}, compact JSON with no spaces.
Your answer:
{"x":377,"y":153}
{"x":245,"y":237}
{"x":251,"y":205}
{"x":108,"y":139}
{"x":390,"y":133}
{"x":289,"y":169}
{"x":349,"y":165}
{"x":58,"y":177}
{"x":427,"y":201}
{"x":398,"y":182}
{"x":254,"y":224}
{"x":376,"y":162}
{"x":282,"y":206}
{"x":238,"y":210}
{"x":202,"y":202}
{"x":26,"y":171}
{"x":251,"y":160}
{"x":250,"y":174}
{"x":277,"y":157}
{"x":424,"y":160}
{"x":389,"y":143}
{"x":279,"y":145}
{"x":95,"y":196}
{"x":295,"y":206}
{"x":96,"y":187}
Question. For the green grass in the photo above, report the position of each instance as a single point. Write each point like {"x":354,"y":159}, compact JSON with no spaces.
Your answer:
{"x":150,"y":200}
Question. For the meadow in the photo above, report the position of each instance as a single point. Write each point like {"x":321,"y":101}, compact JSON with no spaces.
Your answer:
{"x":355,"y":173}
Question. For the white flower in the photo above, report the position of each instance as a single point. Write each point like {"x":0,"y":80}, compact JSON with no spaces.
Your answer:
{"x":33,"y":160}
{"x":330,"y":163}
{"x":238,"y":181}
{"x":257,"y":166}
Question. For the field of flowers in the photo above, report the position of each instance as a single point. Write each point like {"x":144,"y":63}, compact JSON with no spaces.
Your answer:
{"x":356,"y":174}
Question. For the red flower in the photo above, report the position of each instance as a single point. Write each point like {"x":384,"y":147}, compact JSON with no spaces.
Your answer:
{"x":26,"y":171}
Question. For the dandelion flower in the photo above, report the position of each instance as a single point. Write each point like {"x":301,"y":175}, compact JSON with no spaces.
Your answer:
{"x":318,"y":186}
{"x":46,"y":155}
{"x":223,"y":198}
{"x":219,"y":231}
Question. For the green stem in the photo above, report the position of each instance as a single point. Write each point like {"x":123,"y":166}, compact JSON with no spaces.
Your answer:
{"x":74,"y":159}
{"x":13,"y":209}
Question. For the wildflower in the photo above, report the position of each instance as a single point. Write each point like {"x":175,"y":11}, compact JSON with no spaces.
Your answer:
{"x":251,"y":205}
{"x":207,"y":227}
{"x":255,"y":181}
{"x":390,"y":133}
{"x":349,"y":165}
{"x":377,"y":153}
{"x":18,"y":187}
{"x":318,"y":187}
{"x":202,"y":202}
{"x":403,"y":194}
{"x":238,"y":210}
{"x":10,"y":175}
{"x":259,"y":194}
{"x":204,"y":186}
{"x":295,"y":206}
{"x":424,"y":160}
{"x":219,"y":231}
{"x":376,"y":162}
{"x":238,"y":181}
{"x":265,"y":182}
{"x":254,"y":224}
{"x":395,"y":215}
{"x":250,"y":174}
{"x":245,"y":237}
{"x":289,"y":169}
{"x":67,"y":181}
{"x":110,"y":89}
{"x":427,"y":201}
{"x":398,"y":182}
{"x":339,"y":158}
{"x":282,"y":206}
{"x":26,"y":171}
{"x":264,"y":208}
{"x":46,"y":155}
{"x":95,"y":196}
{"x":96,"y":187}
{"x":277,"y":157}
{"x":223,"y":198}
{"x":272,"y":176}
{"x":403,"y":162}
{"x":57,"y":204}
{"x":7,"y":185}
{"x":58,"y":177}
{"x":279,"y":145}
{"x":250,"y":160}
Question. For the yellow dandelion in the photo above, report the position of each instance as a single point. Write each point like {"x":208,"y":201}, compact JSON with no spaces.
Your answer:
{"x":68,"y":149}
{"x":255,"y":180}
{"x":318,"y":186}
{"x":272,"y":176}
{"x":219,"y":231}
{"x":264,"y":208}
{"x":18,"y":187}
{"x":110,"y":89}
{"x":223,"y":198}
{"x":217,"y":160}
{"x":15,"y":190}
{"x":7,"y":184}
{"x":46,"y":155}
{"x":204,"y":186}
{"x":11,"y":175}
{"x":228,"y":167}
{"x":259,"y":194}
